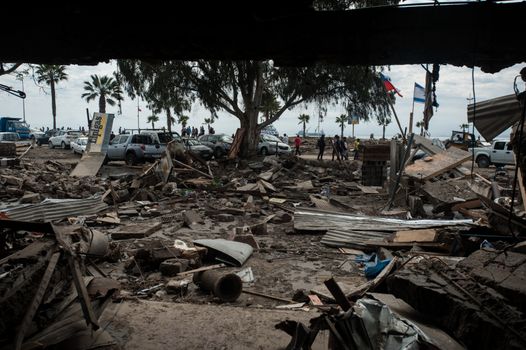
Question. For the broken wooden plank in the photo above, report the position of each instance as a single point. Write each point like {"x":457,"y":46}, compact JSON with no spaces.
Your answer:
{"x":370,"y":285}
{"x":441,"y":163}
{"x":469,"y":204}
{"x":135,"y":230}
{"x":367,"y":189}
{"x":204,"y":268}
{"x":426,"y":235}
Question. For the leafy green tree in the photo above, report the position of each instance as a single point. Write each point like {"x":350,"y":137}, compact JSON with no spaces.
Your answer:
{"x":240,"y":87}
{"x":51,"y":75}
{"x":304,"y":119}
{"x":384,"y":121}
{"x":342,"y":121}
{"x":159,"y":84}
{"x":105,"y":88}
{"x":153,"y":119}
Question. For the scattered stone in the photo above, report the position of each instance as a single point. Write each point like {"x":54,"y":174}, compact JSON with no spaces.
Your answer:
{"x":179,"y":287}
{"x":172,"y":267}
{"x":224,"y":217}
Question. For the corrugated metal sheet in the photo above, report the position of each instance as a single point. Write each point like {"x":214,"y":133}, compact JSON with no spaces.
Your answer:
{"x":492,"y":117}
{"x":351,"y":239}
{"x":55,"y":209}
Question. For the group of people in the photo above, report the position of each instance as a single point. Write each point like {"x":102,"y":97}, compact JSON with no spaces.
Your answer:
{"x":340,"y":148}
{"x":194,"y":132}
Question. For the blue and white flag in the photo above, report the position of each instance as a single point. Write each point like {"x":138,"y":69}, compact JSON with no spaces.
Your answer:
{"x":420,"y":94}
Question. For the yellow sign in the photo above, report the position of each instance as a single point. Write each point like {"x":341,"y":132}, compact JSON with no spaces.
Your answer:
{"x":101,"y":128}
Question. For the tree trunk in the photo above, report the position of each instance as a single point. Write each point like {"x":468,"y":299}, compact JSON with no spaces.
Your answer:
{"x":53,"y":105}
{"x":249,"y":119}
{"x":102,"y":104}
{"x":249,"y":122}
{"x":169,"y":119}
{"x":342,"y":131}
{"x":383,"y":132}
{"x":304,"y":129}
{"x":153,"y":125}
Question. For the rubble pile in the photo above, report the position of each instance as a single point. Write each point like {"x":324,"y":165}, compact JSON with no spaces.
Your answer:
{"x":272,"y":232}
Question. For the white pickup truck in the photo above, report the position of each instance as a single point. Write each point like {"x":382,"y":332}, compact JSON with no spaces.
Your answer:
{"x":499,"y":153}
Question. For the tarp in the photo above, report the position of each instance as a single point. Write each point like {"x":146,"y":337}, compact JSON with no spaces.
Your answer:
{"x":492,"y":117}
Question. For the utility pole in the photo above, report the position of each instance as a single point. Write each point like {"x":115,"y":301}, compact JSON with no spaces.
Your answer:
{"x":21,"y":78}
{"x":138,"y":109}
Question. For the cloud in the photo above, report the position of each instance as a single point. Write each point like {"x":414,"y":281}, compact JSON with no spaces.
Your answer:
{"x":453,"y":90}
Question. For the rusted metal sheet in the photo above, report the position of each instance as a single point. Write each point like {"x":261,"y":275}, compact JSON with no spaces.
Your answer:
{"x":55,"y":209}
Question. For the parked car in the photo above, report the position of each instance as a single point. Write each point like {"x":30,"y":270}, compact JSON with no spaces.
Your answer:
{"x":220,"y":143}
{"x":159,"y":136}
{"x":44,"y":139}
{"x":9,"y":137}
{"x":35,"y":134}
{"x":79,"y":145}
{"x":499,"y":153}
{"x":63,"y":138}
{"x":198,"y":148}
{"x":270,"y":130}
{"x":269,"y":144}
{"x":134,"y":149}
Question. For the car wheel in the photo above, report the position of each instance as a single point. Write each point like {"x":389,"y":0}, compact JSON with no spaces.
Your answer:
{"x":50,"y":145}
{"x":106,"y":160}
{"x":264,"y":151}
{"x":63,"y":145}
{"x":131,"y":158}
{"x":39,"y":143}
{"x":483,"y":162}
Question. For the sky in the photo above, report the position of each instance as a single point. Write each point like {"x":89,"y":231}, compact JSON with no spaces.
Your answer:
{"x":453,"y":91}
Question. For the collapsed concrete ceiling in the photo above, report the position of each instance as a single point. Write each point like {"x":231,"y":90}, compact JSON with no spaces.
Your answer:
{"x":484,"y":34}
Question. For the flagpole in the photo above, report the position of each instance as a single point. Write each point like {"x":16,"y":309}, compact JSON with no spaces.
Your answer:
{"x":412,"y":113}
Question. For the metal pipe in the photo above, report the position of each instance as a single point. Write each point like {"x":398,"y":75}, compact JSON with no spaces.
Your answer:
{"x":225,"y":286}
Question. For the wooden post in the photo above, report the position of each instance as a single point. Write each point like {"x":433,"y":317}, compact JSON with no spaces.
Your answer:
{"x":393,"y":161}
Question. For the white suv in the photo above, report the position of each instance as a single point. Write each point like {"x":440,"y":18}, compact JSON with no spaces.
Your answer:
{"x":63,"y":138}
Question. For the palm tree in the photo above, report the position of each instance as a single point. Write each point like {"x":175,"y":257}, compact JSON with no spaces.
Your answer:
{"x":153,"y":119}
{"x":342,"y":120}
{"x":304,"y":118}
{"x":105,"y":88}
{"x":183,"y":119}
{"x":384,"y":120}
{"x":51,"y":75}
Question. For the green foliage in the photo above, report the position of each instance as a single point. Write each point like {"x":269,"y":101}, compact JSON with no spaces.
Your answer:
{"x":105,"y":88}
{"x":183,"y":119}
{"x":50,"y":73}
{"x":152,"y":119}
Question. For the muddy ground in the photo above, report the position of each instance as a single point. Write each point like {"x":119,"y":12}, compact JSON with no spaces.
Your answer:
{"x":286,"y":266}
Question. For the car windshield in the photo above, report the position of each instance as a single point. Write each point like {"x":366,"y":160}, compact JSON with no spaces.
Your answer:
{"x":19,"y":124}
{"x":82,"y":141}
{"x":226,"y":138}
{"x":272,"y":138}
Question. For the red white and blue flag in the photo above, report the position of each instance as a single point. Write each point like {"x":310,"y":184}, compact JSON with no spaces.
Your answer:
{"x":388,"y":85}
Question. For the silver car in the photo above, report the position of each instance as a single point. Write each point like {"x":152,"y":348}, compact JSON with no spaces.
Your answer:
{"x":269,"y":144}
{"x":79,"y":145}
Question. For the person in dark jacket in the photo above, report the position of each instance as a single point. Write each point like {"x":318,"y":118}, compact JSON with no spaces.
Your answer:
{"x":336,"y":147}
{"x":321,"y":147}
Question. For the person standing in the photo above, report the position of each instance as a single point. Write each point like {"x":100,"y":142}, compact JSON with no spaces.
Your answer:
{"x":297,"y":143}
{"x":356,"y":148}
{"x":336,"y":147}
{"x":285,"y":139}
{"x":344,"y":148}
{"x":201,"y":131}
{"x":321,"y":147}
